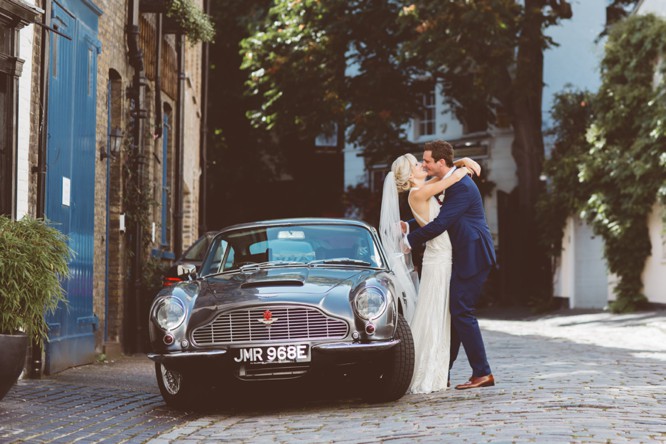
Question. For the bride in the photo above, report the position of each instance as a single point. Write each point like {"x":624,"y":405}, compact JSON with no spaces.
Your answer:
{"x":429,"y":319}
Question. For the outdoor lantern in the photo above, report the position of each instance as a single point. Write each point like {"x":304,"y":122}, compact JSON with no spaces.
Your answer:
{"x":115,"y":142}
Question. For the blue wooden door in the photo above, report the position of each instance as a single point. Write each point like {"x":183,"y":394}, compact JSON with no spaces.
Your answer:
{"x":70,"y":183}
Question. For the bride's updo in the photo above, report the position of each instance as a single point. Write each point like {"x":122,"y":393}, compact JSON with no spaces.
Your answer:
{"x":402,"y":170}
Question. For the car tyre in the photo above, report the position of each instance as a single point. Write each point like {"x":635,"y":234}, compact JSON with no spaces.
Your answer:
{"x":178,"y":389}
{"x":392,"y":382}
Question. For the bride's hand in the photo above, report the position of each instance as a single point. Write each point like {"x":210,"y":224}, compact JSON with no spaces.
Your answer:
{"x":404,"y":227}
{"x":459,"y":173}
{"x":472,"y":166}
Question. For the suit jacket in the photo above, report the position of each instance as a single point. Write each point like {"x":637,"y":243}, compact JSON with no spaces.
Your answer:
{"x":462,"y":215}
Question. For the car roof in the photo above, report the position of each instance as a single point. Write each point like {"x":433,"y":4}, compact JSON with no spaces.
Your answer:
{"x":300,"y":221}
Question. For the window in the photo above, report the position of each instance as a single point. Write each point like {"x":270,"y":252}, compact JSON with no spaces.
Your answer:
{"x":424,"y":125}
{"x":13,"y":16}
{"x":166,"y":179}
{"x":377,"y":175}
{"x":6,"y":148}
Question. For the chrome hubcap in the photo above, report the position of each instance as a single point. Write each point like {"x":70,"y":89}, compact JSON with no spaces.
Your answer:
{"x":171,"y":380}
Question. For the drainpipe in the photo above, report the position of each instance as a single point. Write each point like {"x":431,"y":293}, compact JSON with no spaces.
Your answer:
{"x":158,"y":79}
{"x":133,"y":296}
{"x":203,"y":156}
{"x":180,"y":142}
{"x":35,"y":368}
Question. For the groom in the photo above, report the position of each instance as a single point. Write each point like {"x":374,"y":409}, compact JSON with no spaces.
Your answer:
{"x":462,"y":215}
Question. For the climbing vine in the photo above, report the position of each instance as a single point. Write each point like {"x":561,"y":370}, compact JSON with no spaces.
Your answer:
{"x":137,"y":198}
{"x":572,"y":114}
{"x":615,"y":176}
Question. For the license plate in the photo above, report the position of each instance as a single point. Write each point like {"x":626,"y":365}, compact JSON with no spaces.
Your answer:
{"x":274,"y":354}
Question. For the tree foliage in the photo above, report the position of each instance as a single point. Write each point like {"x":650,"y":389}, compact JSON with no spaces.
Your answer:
{"x":357,"y":68}
{"x":299,"y":60}
{"x":615,"y":175}
{"x":572,"y":114}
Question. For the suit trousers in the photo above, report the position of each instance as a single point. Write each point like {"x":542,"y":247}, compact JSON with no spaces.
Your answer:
{"x":463,"y":297}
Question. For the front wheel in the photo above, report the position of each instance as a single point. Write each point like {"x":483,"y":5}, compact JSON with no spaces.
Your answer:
{"x":178,"y":389}
{"x":392,"y":380}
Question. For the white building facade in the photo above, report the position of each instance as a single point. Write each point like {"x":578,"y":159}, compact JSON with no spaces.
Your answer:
{"x":582,"y":275}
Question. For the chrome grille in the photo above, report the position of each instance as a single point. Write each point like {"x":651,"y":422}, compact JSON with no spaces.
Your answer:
{"x":290,"y":323}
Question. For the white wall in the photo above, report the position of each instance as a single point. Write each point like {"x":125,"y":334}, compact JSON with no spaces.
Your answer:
{"x":582,"y":274}
{"x":354,"y":166}
{"x":657,"y":7}
{"x":563,"y":280}
{"x":654,"y":274}
{"x":576,"y":60}
{"x":26,"y":37}
{"x":502,"y":171}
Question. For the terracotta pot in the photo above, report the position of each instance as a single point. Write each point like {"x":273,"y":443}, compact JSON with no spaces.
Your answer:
{"x":13,"y":349}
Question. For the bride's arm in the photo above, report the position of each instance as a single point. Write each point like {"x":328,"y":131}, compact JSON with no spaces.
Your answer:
{"x":469,"y":164}
{"x":434,"y":187}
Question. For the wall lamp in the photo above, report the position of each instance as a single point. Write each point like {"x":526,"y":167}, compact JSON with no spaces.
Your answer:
{"x":115,"y":141}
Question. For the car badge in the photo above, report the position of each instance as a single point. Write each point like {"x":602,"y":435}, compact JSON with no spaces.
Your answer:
{"x":268,"y":318}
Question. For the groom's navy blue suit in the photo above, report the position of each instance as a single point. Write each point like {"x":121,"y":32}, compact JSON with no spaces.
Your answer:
{"x":462,"y":215}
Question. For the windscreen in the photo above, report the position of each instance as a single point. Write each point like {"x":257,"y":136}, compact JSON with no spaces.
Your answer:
{"x":308,"y":244}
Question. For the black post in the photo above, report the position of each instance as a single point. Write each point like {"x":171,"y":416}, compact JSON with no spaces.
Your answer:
{"x":35,"y":368}
{"x":133,"y":297}
{"x":203,"y":156}
{"x":180,"y":141}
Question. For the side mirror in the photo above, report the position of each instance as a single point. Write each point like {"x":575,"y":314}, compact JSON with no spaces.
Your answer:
{"x":186,"y":271}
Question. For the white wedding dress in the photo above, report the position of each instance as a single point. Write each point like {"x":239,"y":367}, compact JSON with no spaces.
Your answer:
{"x":431,"y":324}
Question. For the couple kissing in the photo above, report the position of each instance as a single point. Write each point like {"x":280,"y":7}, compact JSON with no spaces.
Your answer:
{"x":459,"y":254}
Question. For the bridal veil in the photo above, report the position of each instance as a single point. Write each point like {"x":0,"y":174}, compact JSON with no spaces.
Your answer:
{"x":391,"y":237}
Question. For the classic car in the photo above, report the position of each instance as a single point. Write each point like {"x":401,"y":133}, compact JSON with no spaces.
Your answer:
{"x":284,"y":299}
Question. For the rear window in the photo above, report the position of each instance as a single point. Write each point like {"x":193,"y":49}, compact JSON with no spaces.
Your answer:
{"x":197,"y":251}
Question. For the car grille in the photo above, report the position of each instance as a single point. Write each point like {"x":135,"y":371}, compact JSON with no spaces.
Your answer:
{"x":290,"y":323}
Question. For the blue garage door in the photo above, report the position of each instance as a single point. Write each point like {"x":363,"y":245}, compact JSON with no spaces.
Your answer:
{"x":70,"y":183}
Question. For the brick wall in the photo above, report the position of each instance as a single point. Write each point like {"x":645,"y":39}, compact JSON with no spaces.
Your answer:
{"x":114,"y":58}
{"x":35,"y":125}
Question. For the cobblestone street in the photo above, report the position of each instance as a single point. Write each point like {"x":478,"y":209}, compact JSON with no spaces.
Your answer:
{"x":594,"y":377}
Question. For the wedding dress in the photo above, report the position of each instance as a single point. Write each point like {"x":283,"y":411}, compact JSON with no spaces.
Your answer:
{"x":431,"y":323}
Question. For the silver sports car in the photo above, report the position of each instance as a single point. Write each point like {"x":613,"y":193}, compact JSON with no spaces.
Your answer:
{"x":284,"y":299}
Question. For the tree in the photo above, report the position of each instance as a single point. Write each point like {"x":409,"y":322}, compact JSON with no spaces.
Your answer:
{"x":237,"y":176}
{"x":360,"y":63}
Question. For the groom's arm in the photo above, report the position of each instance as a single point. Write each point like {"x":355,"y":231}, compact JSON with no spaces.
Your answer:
{"x":455,"y":205}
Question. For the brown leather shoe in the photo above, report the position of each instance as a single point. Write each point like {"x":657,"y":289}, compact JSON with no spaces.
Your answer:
{"x":480,"y":381}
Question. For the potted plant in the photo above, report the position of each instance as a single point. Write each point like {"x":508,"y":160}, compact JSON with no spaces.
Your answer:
{"x":182,"y":16}
{"x":34,"y":257}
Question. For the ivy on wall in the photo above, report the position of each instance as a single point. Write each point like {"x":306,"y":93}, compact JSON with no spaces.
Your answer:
{"x":609,"y":161}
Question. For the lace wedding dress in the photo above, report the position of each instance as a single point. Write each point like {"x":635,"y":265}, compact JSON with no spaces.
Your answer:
{"x":431,"y":324}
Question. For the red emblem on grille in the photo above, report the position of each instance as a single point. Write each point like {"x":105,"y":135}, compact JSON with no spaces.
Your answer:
{"x":268,"y":318}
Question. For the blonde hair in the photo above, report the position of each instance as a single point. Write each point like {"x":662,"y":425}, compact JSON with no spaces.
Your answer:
{"x":402,"y":170}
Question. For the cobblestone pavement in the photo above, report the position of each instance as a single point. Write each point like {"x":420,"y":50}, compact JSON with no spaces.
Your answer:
{"x":580,"y":378}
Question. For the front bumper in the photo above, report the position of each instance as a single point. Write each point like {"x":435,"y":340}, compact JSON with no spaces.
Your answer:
{"x":180,"y":356}
{"x":334,"y":349}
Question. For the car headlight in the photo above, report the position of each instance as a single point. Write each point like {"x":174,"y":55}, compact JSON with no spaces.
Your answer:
{"x":169,"y":313}
{"x":370,"y":303}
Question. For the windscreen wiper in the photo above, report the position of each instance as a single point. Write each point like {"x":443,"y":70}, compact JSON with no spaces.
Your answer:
{"x":340,"y":261}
